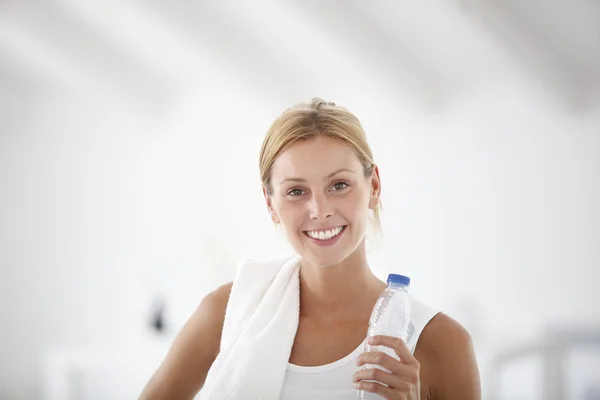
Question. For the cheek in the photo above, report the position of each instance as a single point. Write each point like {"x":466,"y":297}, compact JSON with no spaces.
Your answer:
{"x":355,"y":203}
{"x":290,"y":213}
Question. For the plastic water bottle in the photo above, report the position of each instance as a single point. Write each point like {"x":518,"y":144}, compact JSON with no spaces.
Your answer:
{"x":390,"y":317}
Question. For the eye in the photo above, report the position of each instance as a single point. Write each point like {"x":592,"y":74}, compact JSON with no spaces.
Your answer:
{"x":294,"y":192}
{"x":340,"y":186}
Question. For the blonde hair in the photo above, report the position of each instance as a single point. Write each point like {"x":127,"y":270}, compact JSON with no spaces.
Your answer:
{"x":306,"y":121}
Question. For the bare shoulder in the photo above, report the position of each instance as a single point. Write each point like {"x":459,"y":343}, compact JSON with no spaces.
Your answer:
{"x":183,"y":372}
{"x":213,"y":306}
{"x":448,"y":363}
{"x":203,"y":329}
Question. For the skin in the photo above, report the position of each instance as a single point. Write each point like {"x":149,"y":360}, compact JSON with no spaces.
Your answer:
{"x":318,"y":184}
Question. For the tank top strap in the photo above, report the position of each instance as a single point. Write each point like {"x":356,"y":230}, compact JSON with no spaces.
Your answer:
{"x":420,"y":315}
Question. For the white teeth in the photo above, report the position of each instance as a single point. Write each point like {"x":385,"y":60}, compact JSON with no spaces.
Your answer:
{"x":325,"y":235}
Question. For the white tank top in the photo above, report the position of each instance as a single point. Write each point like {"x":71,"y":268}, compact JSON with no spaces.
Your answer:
{"x":334,"y":381}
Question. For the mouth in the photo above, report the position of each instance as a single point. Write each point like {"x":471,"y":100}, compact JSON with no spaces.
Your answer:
{"x":326,"y":236}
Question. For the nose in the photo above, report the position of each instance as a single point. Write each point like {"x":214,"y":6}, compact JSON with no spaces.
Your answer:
{"x":320,"y":208}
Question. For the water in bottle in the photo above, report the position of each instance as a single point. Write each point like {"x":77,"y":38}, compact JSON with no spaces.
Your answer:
{"x":390,"y":317}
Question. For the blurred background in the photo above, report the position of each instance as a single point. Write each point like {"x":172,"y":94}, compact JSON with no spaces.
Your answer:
{"x":129,"y":186}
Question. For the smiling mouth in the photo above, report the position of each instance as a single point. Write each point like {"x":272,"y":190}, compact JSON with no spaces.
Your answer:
{"x":325,"y":234}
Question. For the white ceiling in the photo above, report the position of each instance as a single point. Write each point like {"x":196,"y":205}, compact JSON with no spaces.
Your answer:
{"x":429,"y":51}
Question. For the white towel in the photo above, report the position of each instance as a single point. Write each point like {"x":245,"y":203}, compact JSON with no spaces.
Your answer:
{"x":258,"y":332}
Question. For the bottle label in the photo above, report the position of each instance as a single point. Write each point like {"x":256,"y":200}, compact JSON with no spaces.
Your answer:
{"x":411,"y":332}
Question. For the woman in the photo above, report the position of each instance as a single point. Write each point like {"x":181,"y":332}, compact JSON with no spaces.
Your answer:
{"x":321,"y":185}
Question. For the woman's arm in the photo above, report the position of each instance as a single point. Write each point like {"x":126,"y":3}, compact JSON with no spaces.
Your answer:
{"x":183,"y":372}
{"x":447,"y":354}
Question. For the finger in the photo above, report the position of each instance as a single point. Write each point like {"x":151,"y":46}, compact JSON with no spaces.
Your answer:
{"x":385,"y":392}
{"x":402,"y":380}
{"x":395,"y":343}
{"x":379,"y":358}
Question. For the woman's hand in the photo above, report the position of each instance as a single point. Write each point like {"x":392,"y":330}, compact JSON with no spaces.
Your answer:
{"x":402,"y":379}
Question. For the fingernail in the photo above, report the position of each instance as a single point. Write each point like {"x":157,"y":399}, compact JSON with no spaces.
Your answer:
{"x":357,"y":385}
{"x":371,"y":340}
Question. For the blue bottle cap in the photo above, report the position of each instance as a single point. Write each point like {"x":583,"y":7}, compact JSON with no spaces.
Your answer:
{"x":398,"y":279}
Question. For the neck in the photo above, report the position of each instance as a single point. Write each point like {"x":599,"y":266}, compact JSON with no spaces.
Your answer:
{"x":345,"y":291}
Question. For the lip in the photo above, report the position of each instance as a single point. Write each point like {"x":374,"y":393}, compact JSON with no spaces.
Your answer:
{"x":327,"y":242}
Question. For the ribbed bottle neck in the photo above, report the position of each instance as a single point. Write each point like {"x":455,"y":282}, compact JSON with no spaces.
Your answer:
{"x":398,"y":286}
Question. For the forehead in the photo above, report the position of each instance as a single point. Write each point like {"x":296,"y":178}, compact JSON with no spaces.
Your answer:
{"x":316,"y":157}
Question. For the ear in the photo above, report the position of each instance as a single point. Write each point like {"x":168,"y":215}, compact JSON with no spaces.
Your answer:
{"x":375,"y":188}
{"x":269,"y":201}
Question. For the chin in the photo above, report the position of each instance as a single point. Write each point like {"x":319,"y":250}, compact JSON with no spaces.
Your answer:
{"x":323,"y":262}
{"x":326,"y":257}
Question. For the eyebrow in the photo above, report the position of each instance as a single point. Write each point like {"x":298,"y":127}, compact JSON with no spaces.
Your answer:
{"x":327,"y":177}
